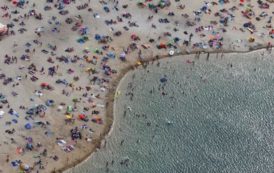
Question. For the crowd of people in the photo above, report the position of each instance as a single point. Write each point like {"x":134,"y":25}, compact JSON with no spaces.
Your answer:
{"x":60,"y":56}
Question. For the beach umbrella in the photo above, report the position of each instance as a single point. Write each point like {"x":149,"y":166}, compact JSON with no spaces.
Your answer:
{"x":176,"y":39}
{"x":123,"y":56}
{"x":162,"y":46}
{"x":69,"y":116}
{"x":3,"y":29}
{"x":106,"y":9}
{"x":14,"y":163}
{"x":39,"y":29}
{"x":69,"y":109}
{"x":75,"y":100}
{"x":14,"y":2}
{"x":44,"y":84}
{"x":171,"y":52}
{"x":83,"y":30}
{"x":97,"y":37}
{"x":251,"y":39}
{"x":111,"y":55}
{"x":66,"y":1}
{"x":28,"y":126}
{"x":2,"y":113}
{"x":29,"y":139}
{"x":151,"y":6}
{"x":29,"y":146}
{"x":134,"y":37}
{"x":96,"y":15}
{"x":82,"y":116}
{"x":139,"y":63}
{"x":24,"y":167}
{"x":50,"y":102}
{"x":60,"y":107}
{"x":271,"y":33}
{"x":19,"y":150}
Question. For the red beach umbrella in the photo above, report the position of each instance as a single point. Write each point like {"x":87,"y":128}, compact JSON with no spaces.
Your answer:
{"x":82,"y":116}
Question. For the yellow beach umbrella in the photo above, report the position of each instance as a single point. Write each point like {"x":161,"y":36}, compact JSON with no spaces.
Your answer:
{"x":69,"y":116}
{"x":139,"y":63}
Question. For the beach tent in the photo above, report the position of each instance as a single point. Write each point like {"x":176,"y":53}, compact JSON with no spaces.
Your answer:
{"x":3,"y":29}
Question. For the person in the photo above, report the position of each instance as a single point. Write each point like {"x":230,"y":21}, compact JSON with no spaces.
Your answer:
{"x":8,"y":158}
{"x":269,"y":47}
{"x":190,"y":37}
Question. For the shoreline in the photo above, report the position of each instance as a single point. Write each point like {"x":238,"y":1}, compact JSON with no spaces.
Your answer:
{"x":77,"y":54}
{"x":113,"y":86}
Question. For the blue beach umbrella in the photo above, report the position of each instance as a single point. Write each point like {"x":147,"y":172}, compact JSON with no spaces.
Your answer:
{"x":97,"y":37}
{"x":28,"y":126}
{"x":15,"y":121}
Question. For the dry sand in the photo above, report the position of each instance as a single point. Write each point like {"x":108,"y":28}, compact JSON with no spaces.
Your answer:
{"x":15,"y":45}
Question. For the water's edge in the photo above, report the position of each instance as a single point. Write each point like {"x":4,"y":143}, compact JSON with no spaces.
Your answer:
{"x":114,"y":85}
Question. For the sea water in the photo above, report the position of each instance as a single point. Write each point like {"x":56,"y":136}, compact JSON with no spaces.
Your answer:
{"x":176,"y":116}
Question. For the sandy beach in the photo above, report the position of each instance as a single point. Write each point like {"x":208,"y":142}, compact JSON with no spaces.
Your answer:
{"x":62,"y":61}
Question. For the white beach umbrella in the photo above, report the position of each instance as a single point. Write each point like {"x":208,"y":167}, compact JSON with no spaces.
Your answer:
{"x":171,"y":52}
{"x":60,"y":108}
{"x":2,"y":112}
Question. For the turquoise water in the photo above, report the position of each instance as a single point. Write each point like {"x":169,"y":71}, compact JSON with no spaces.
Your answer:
{"x":207,"y":117}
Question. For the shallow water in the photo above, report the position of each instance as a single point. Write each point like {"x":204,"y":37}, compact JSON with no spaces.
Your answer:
{"x":213,"y":118}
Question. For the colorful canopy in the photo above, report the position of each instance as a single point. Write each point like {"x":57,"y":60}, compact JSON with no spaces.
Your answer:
{"x":3,"y":29}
